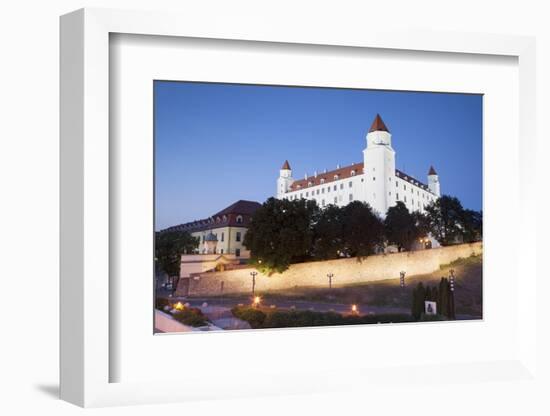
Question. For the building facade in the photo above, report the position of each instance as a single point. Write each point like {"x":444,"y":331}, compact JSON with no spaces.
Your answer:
{"x":374,"y":180}
{"x":223,"y":232}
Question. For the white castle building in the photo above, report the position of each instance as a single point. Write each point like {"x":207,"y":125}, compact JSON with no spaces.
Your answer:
{"x":375,"y":180}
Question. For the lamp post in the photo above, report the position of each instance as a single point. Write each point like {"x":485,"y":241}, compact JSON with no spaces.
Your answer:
{"x":402,"y":279}
{"x":452,"y":279}
{"x":330,"y":276}
{"x":253,"y":274}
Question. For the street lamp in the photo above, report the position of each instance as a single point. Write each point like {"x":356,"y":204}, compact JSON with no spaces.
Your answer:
{"x":354,"y":310}
{"x":330,"y":276}
{"x":402,"y":279}
{"x":253,"y":274}
{"x":256,"y":301}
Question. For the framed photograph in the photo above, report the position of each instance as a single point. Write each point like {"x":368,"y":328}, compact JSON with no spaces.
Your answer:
{"x":239,"y":207}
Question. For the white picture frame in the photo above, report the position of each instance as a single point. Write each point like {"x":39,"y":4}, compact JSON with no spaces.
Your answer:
{"x":86,"y":355}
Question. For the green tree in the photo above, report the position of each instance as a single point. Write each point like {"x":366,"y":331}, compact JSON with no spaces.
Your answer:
{"x":328,"y":240}
{"x":169,"y":246}
{"x":401,"y":226}
{"x":419,"y":296}
{"x":472,"y":224}
{"x":444,"y":217}
{"x":363,"y":230}
{"x":280,"y":233}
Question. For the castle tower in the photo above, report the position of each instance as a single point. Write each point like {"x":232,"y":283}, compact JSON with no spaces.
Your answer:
{"x":379,"y":167}
{"x":285,"y":179}
{"x":433,"y":181}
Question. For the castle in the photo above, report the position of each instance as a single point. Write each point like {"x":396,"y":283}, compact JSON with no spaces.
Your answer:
{"x":375,"y":180}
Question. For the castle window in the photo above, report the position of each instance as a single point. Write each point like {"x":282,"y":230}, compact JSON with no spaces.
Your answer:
{"x":350,"y":197}
{"x":362,"y":180}
{"x":352,"y":173}
{"x":335,"y":200}
{"x":336,"y":177}
{"x":335,"y":187}
{"x":300,"y":195}
{"x":309,"y":183}
{"x":307,"y":194}
{"x":322,"y":181}
{"x":350,"y":184}
{"x":238,"y":252}
{"x":223,"y":236}
{"x":405,"y":198}
{"x":239,"y":219}
{"x":238,"y":236}
{"x":323,"y":203}
{"x":396,"y":184}
{"x":404,"y":187}
{"x":221,"y":251}
{"x":323,"y":190}
{"x":218,"y":219}
{"x":374,"y":178}
{"x":397,"y":197}
{"x":341,"y":186}
{"x":317,"y":192}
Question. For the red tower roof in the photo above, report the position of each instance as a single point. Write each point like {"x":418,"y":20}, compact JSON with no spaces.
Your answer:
{"x":286,"y":165}
{"x":432,"y":171}
{"x":378,"y":125}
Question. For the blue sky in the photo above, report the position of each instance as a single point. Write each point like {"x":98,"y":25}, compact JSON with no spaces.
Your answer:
{"x":218,"y":143}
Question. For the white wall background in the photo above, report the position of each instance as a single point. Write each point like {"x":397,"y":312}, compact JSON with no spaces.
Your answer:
{"x":29,"y":205}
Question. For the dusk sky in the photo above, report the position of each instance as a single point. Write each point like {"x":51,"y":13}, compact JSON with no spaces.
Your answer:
{"x":218,"y":143}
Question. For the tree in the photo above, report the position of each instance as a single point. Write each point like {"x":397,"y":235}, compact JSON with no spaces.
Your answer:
{"x":281,"y":232}
{"x":169,"y":246}
{"x":419,"y":296}
{"x":401,"y":226}
{"x":328,"y":239}
{"x":472,"y":223}
{"x":445,"y":217}
{"x":363,"y":230}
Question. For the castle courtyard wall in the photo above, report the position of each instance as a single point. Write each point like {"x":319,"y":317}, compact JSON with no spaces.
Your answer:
{"x":346,"y":271}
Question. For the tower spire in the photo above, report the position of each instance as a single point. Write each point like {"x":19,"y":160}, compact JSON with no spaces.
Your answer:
{"x":432,"y":171}
{"x":286,"y":165}
{"x":378,"y":125}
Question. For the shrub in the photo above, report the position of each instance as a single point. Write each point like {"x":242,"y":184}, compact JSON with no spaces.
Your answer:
{"x":160,"y":303}
{"x":191,"y":316}
{"x":253,"y":316}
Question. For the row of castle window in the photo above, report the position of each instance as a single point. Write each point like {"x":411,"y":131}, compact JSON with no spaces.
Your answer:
{"x":350,"y":197}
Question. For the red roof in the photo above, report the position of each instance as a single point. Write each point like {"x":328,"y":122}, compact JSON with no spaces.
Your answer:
{"x":286,"y":165}
{"x":378,"y":125}
{"x":341,"y":173}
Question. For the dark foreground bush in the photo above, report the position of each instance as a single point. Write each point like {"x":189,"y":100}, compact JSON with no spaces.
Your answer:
{"x":254,"y":317}
{"x":191,"y":316}
{"x":160,"y":303}
{"x":296,"y":318}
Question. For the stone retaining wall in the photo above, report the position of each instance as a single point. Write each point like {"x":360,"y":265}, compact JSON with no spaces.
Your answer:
{"x":346,"y":271}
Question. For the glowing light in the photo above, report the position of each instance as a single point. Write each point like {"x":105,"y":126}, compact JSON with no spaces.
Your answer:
{"x":179,"y":306}
{"x":257,"y":300}
{"x":354,"y":308}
